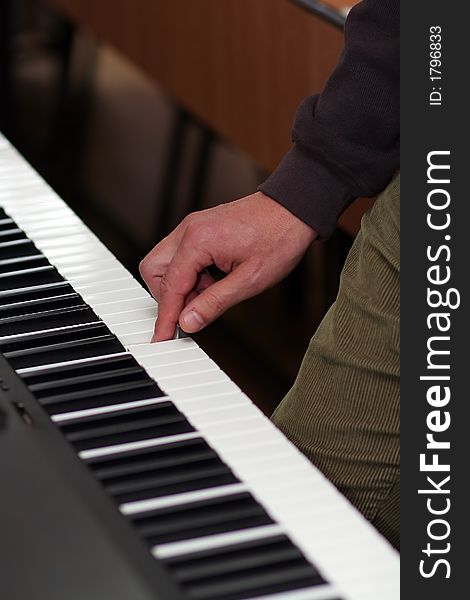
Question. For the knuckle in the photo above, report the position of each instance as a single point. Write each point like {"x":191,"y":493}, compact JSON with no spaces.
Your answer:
{"x":189,"y":221}
{"x":165,"y":286}
{"x":196,"y":227}
{"x":214,"y":302}
{"x":193,"y":229}
{"x":144,"y":269}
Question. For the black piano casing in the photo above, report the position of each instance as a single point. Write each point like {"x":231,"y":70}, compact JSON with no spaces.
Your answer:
{"x":61,"y":537}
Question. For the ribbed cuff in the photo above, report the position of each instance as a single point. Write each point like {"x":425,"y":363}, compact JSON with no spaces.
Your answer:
{"x":309,"y":190}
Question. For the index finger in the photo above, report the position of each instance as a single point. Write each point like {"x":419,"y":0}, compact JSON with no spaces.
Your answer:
{"x":176,"y":283}
{"x":154,"y":265}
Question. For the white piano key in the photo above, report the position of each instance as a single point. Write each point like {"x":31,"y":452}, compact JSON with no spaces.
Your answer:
{"x":52,"y":220}
{"x":172,"y":358}
{"x":98,"y":298}
{"x":224,"y":415}
{"x":17,"y":179}
{"x":84,"y":248}
{"x":206,"y":390}
{"x":191,"y":381}
{"x":85,"y":274}
{"x":131,"y":316}
{"x":237,"y":444}
{"x":218,"y":540}
{"x":203,"y":405}
{"x":59,"y":233}
{"x":202,"y":365}
{"x":108,"y":309}
{"x":248,"y":464}
{"x":246,"y":424}
{"x":142,"y":506}
{"x":141,"y":337}
{"x":64,"y":241}
{"x":163,"y":347}
{"x":28,"y":204}
{"x":263,"y":456}
{"x":254,"y":433}
{"x":282,"y":484}
{"x":84,"y":260}
{"x":14,"y":191}
{"x":133,"y":326}
{"x":114,"y":272}
{"x":123,"y":282}
{"x":55,"y":213}
{"x":28,"y":216}
{"x":92,"y":266}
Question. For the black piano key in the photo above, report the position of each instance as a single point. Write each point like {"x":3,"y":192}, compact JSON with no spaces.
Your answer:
{"x":269,"y":565}
{"x":197,"y":519}
{"x":16,"y":248}
{"x":160,"y":471}
{"x":6,"y":223}
{"x":14,"y":295}
{"x":41,"y":340}
{"x":145,"y":459}
{"x":106,"y":397}
{"x":94,"y":374}
{"x":35,"y":276}
{"x":83,"y":383}
{"x":23,"y":262}
{"x":97,"y":368}
{"x":37,"y":293}
{"x":130,"y":425}
{"x":123,"y":421}
{"x":15,"y":280}
{"x":198,"y":476}
{"x":11,"y":234}
{"x":92,"y":384}
{"x":88,"y":347}
{"x":234,"y":558}
{"x":61,"y":317}
{"x":271,"y":579}
{"x":119,"y":394}
{"x":18,"y":309}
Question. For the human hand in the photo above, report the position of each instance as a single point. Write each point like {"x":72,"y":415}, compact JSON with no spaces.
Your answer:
{"x":255,"y":240}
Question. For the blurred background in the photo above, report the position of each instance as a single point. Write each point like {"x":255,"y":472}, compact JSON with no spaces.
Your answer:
{"x":138,"y":112}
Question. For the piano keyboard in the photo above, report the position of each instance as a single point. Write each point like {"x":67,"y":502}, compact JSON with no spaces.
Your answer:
{"x":220,"y":498}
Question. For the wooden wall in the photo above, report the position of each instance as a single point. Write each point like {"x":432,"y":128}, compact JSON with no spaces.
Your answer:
{"x":242,"y":66}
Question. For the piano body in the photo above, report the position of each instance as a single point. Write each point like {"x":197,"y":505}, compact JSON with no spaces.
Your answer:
{"x":138,"y":471}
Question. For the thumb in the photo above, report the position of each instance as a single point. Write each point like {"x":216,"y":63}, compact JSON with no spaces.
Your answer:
{"x":216,"y":299}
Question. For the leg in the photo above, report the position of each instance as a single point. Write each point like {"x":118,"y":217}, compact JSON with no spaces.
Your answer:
{"x":343,"y":410}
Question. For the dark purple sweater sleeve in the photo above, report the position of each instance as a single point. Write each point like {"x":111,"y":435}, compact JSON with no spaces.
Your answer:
{"x":346,"y":140}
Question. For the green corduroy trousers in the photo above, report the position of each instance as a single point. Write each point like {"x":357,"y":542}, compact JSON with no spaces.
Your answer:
{"x":343,"y":410}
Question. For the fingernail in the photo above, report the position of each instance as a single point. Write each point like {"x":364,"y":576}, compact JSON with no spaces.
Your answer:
{"x":191,"y":321}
